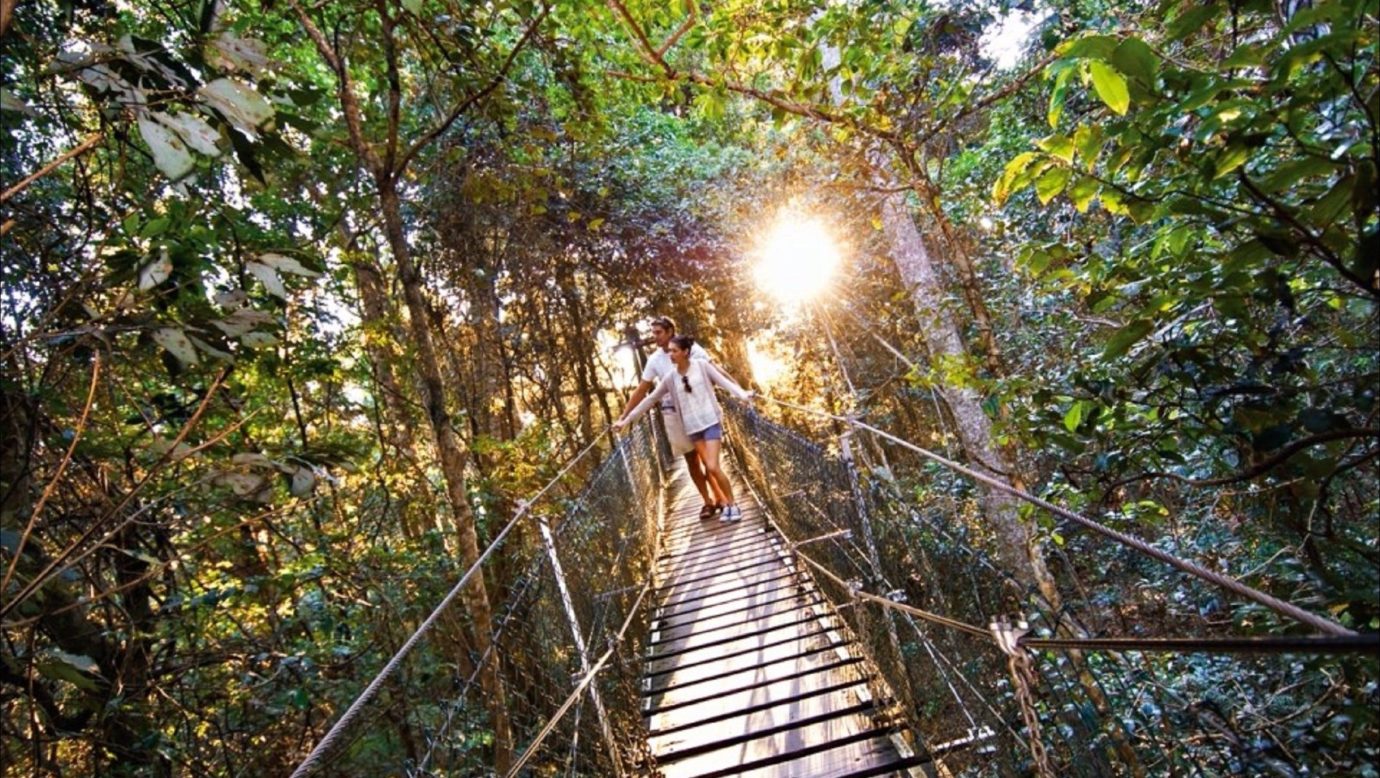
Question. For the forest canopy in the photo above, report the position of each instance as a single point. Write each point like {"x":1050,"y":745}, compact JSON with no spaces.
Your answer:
{"x":301,"y":303}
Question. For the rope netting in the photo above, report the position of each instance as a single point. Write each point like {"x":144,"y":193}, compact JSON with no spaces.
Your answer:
{"x":912,"y":567}
{"x":568,"y":585}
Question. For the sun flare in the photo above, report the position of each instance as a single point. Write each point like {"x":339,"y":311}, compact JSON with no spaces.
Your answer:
{"x":796,"y":260}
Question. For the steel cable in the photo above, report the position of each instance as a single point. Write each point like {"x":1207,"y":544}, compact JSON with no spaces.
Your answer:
{"x":328,"y":742}
{"x":1279,"y":606}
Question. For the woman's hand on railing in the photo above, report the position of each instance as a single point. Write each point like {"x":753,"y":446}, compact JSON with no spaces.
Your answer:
{"x":620,"y":425}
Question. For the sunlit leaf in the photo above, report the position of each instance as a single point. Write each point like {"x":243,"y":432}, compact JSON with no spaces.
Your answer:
{"x":176,"y":342}
{"x":170,"y":153}
{"x":155,"y":272}
{"x":1110,"y":86}
{"x":239,"y":103}
{"x":268,"y":277}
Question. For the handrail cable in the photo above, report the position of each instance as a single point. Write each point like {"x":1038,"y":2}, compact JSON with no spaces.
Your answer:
{"x":1341,"y":644}
{"x":328,"y":741}
{"x":1279,"y":606}
{"x":854,"y":591}
{"x":584,"y":683}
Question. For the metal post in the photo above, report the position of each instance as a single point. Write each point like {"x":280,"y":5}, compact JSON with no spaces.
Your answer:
{"x":580,"y":646}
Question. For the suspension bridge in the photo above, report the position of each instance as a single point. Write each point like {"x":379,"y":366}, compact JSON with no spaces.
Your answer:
{"x":841,"y":629}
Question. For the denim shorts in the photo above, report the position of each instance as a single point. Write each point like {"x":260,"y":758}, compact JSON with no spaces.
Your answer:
{"x":715,"y":432}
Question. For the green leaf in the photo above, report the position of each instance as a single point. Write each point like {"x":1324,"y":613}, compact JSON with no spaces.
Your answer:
{"x":1082,"y":192}
{"x":1134,"y":58}
{"x":1063,"y":72}
{"x":1110,"y":86}
{"x":1232,"y":158}
{"x":72,"y":668}
{"x":1049,"y":185}
{"x":413,"y":7}
{"x":1122,"y":340}
{"x":1290,"y":173}
{"x":1326,"y":209}
{"x":1088,"y":47}
{"x":1002,"y":188}
{"x":1192,"y":20}
{"x":1061,"y":146}
{"x":1087,"y":140}
{"x":1075,"y":415}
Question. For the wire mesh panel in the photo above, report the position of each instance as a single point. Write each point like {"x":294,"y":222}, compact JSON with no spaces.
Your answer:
{"x":566,"y":595}
{"x":1098,"y":713}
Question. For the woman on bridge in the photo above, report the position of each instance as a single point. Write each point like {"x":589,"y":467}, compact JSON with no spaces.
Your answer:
{"x":691,"y":386}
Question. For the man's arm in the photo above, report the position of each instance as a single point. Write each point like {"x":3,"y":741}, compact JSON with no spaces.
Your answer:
{"x":637,"y":395}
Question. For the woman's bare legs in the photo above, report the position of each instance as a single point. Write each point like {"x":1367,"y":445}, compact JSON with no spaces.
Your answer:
{"x":709,"y":455}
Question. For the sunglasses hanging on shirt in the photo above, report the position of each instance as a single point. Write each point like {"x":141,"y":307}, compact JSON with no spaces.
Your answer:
{"x":686,"y":381}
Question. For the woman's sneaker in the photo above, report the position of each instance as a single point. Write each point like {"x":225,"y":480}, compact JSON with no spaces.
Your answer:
{"x":731,"y":514}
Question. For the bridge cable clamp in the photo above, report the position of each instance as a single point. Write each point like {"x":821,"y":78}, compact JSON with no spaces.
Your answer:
{"x":1008,"y":635}
{"x":855,"y":586}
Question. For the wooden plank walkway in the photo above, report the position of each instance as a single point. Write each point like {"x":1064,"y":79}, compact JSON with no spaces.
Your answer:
{"x":746,"y":673}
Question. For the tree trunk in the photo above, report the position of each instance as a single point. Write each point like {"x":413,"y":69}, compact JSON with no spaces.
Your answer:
{"x":940,"y":333}
{"x":452,"y":461}
{"x":396,"y":429}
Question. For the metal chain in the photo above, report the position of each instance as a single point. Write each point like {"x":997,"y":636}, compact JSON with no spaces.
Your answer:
{"x":1023,"y":674}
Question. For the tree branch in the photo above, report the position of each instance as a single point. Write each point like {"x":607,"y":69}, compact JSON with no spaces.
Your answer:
{"x":1259,"y":468}
{"x":79,"y":149}
{"x":488,"y":89}
{"x":349,"y":103}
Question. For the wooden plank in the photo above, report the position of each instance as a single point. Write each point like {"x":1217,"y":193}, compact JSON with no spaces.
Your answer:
{"x":801,"y":689}
{"x":711,"y":622}
{"x":727,"y":636}
{"x":731,"y":683}
{"x":785,"y":594}
{"x":766,"y":636}
{"x":744,"y":674}
{"x":739,"y":570}
{"x":682,"y":672}
{"x":865,"y":755}
{"x":758,"y":736}
{"x":669,"y":571}
{"x":688,"y":609}
{"x":728,"y":586}
{"x":713,"y":533}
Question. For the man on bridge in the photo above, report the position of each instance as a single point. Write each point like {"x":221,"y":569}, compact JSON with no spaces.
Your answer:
{"x":658,"y":367}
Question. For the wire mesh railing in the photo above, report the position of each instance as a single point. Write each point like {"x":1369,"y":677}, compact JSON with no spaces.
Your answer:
{"x":921,"y":553}
{"x":567,"y":593}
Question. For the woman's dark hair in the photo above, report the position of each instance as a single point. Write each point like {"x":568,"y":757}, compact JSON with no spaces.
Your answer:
{"x":683,"y":342}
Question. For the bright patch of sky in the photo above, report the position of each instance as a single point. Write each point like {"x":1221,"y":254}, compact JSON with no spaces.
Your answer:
{"x":1006,"y":39}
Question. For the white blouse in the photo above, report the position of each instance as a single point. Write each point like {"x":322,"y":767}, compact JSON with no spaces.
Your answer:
{"x":699,"y":408}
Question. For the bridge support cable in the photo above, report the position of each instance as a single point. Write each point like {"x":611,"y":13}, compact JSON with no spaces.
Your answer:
{"x":1290,"y":610}
{"x":1099,"y":714}
{"x":578,"y":635}
{"x":334,"y":737}
{"x":585,"y":681}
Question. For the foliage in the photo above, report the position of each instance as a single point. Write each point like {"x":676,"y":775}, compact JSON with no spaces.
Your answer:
{"x":220,"y":508}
